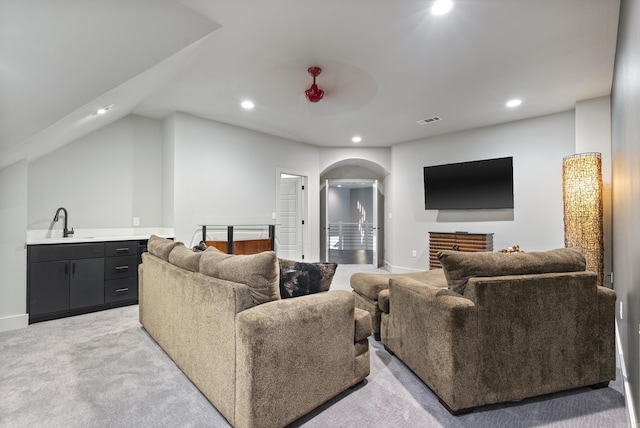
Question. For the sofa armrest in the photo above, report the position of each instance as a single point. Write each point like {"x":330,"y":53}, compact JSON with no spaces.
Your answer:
{"x":383,"y":301}
{"x":426,"y":294}
{"x":293,"y":355}
{"x":434,"y":331}
{"x":362,"y":325}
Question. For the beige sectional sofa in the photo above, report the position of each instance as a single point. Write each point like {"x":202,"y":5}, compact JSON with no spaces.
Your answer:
{"x":497,"y":327}
{"x":262,"y":361}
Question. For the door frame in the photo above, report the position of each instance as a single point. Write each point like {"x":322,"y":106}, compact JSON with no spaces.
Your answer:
{"x":304,"y":206}
{"x":378,"y":220}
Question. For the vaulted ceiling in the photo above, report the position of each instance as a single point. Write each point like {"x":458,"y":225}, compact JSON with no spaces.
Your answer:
{"x":385,"y":65}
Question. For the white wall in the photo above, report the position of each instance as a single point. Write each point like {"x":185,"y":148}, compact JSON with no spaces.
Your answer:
{"x":352,"y":172}
{"x":13,"y":264}
{"x":536,"y":223}
{"x":377,"y":159}
{"x":593,"y":134}
{"x":338,"y":204}
{"x":168,"y":149}
{"x":593,"y":131}
{"x":227,"y":175}
{"x":103,"y":179}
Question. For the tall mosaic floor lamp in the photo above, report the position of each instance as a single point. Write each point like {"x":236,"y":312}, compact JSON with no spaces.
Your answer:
{"x":582,"y":197}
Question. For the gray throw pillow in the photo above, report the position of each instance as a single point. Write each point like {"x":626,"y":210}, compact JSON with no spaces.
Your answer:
{"x":300,"y":279}
{"x":460,"y":266}
{"x":258,"y":271}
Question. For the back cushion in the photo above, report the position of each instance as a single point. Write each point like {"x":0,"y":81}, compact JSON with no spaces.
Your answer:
{"x":459,"y":266}
{"x":185,"y":258}
{"x":160,"y":247}
{"x":258,"y":271}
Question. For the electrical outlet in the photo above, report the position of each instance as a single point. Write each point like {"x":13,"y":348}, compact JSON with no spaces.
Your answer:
{"x":136,"y":221}
{"x":620,"y":311}
{"x":415,"y":253}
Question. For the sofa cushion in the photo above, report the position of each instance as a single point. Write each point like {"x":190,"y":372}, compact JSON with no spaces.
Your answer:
{"x":185,"y":258}
{"x":370,"y":284}
{"x":160,"y":247}
{"x":299,"y":279}
{"x":460,"y":266}
{"x":258,"y":271}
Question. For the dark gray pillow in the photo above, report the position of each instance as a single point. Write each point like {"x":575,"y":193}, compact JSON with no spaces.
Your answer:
{"x":460,"y":266}
{"x":258,"y":271}
{"x":300,"y":279}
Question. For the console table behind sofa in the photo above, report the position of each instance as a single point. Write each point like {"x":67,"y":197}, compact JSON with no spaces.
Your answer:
{"x":241,"y":246}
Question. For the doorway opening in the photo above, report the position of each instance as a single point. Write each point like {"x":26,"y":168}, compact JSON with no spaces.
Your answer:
{"x":352,"y":233}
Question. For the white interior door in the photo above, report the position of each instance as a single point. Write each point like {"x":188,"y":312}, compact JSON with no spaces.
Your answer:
{"x":324,"y":225}
{"x":378,"y":226}
{"x":290,"y":228}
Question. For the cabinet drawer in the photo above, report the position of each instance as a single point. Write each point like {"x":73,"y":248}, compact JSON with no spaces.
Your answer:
{"x":122,"y":248}
{"x":121,"y":267}
{"x":117,"y":290}
{"x":49,"y":252}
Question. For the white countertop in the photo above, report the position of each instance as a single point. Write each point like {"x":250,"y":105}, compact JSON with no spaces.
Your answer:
{"x":40,"y":237}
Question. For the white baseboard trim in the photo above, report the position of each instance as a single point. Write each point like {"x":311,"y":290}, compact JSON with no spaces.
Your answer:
{"x":628,"y":398}
{"x":14,"y":322}
{"x":398,"y":269}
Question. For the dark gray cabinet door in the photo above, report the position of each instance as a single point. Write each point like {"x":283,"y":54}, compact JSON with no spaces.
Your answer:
{"x":86,"y":287}
{"x":49,"y":287}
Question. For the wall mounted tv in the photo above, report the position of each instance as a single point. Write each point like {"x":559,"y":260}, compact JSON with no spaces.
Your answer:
{"x":483,"y":184}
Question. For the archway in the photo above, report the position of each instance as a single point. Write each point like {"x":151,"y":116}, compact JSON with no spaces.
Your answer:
{"x":352,"y":213}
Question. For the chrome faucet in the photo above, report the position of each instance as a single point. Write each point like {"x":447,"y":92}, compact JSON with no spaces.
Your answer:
{"x":65,"y":232}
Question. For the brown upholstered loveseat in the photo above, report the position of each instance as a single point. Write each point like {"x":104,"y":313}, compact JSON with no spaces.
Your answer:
{"x":496,"y":327}
{"x":262,"y":361}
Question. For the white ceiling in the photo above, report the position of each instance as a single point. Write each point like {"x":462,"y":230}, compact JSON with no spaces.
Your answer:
{"x":386,"y":64}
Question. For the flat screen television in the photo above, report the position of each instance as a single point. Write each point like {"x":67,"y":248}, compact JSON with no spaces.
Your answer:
{"x":483,"y":184}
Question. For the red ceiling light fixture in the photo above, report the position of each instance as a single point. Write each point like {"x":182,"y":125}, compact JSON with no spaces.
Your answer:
{"x":314,"y":94}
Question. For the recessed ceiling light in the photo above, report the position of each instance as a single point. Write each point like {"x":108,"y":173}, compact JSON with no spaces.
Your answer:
{"x":440,"y":7}
{"x":247,"y":105}
{"x":103,"y":110}
{"x":514,"y":103}
{"x":356,"y":139}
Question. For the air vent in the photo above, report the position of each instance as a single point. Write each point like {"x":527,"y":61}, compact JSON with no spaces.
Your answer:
{"x":429,"y":120}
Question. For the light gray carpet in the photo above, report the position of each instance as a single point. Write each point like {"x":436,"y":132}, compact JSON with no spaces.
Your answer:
{"x":103,"y":370}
